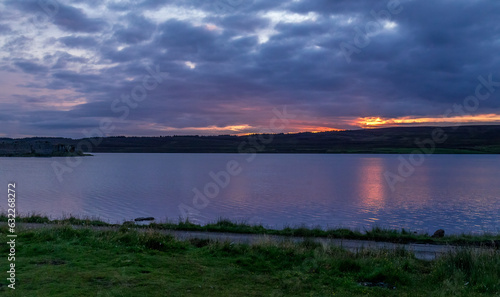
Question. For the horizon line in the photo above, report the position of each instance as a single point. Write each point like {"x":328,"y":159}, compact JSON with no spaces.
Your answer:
{"x":250,"y":134}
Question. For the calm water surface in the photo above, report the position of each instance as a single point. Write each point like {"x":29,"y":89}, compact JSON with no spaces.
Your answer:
{"x":460,"y":193}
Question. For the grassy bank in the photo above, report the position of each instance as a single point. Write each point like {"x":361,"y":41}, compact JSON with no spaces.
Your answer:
{"x":224,"y":225}
{"x":62,"y":261}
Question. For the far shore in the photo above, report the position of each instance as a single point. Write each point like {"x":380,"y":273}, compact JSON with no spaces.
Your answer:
{"x":46,"y":156}
{"x":475,"y":139}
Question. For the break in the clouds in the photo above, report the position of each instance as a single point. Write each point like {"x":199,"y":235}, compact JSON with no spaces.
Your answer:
{"x":222,"y":66}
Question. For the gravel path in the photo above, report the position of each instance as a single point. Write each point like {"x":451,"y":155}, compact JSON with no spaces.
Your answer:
{"x":421,"y":251}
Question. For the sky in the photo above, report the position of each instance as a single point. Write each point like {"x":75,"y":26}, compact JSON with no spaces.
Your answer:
{"x":78,"y":68}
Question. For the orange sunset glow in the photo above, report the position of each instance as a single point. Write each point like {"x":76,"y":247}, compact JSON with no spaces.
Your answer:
{"x":378,"y":122}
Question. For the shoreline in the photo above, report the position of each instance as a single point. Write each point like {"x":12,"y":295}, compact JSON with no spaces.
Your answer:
{"x":45,"y":156}
{"x":395,"y":152}
{"x":75,"y":260}
{"x":376,"y":234}
{"x":421,"y":251}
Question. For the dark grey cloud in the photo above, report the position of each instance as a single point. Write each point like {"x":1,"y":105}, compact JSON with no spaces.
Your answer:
{"x":184,"y":36}
{"x":61,"y":60}
{"x":74,"y":20}
{"x":92,"y":3}
{"x":339,"y":7}
{"x":74,"y":77}
{"x":31,"y":6}
{"x":63,"y":124}
{"x":4,"y":29}
{"x":67,"y":17}
{"x":16,"y":44}
{"x":128,"y":54}
{"x":305,"y":29}
{"x":138,"y":29}
{"x":78,"y":41}
{"x":154,"y":4}
{"x":250,"y":6}
{"x":30,"y":67}
{"x":218,"y":7}
{"x":86,"y":84}
{"x":234,"y":64}
{"x":245,"y":23}
{"x":32,"y":99}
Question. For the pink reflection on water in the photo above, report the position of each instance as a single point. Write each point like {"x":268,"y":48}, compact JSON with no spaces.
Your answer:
{"x":373,"y":191}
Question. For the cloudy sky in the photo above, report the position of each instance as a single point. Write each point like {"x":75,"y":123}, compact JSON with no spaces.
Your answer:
{"x":69,"y":68}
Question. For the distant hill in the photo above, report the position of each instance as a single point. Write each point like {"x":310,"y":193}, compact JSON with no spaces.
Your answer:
{"x":464,"y":139}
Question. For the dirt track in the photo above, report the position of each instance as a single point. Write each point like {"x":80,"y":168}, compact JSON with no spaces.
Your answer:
{"x":421,"y":251}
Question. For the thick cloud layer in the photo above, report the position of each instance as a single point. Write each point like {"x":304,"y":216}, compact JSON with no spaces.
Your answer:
{"x":222,"y":66}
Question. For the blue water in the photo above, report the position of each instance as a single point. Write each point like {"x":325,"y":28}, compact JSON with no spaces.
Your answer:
{"x":459,"y":193}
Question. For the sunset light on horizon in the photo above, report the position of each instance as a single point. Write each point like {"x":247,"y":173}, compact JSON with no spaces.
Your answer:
{"x":148,"y":68}
{"x":378,"y":122}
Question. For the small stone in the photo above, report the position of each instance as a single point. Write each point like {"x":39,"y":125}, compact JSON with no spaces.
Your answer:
{"x":438,"y":233}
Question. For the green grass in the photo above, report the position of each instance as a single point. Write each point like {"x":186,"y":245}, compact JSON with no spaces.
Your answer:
{"x":69,"y":220}
{"x":62,"y":261}
{"x":225,"y":225}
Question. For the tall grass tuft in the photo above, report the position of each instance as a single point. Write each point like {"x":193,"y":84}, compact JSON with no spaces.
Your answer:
{"x":477,"y":269}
